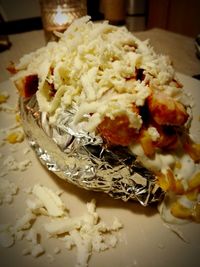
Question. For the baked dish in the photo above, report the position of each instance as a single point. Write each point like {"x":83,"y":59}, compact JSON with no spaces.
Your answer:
{"x":104,"y":111}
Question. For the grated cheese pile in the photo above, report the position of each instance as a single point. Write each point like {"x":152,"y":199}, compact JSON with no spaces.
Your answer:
{"x":87,"y":232}
{"x":93,"y":67}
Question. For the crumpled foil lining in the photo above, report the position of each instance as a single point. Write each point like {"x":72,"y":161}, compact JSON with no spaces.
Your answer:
{"x":80,"y":158}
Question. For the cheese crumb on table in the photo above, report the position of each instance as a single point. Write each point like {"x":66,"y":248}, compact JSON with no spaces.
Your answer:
{"x":51,"y":201}
{"x":32,"y":236}
{"x":50,"y":258}
{"x":57,"y":250}
{"x":37,"y":250}
{"x":6,"y":237}
{"x":13,"y":165}
{"x":7,"y":108}
{"x":7,"y":190}
{"x":24,"y":222}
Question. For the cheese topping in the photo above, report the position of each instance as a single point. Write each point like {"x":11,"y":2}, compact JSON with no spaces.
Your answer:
{"x":94,"y":66}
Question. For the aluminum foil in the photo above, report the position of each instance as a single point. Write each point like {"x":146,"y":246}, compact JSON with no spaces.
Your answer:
{"x":82,"y":158}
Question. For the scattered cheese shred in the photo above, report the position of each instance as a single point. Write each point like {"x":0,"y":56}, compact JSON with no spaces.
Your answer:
{"x":13,"y":165}
{"x":50,"y":200}
{"x":7,"y":191}
{"x":37,"y":250}
{"x":87,"y":233}
{"x":25,"y":221}
{"x":6,"y":239}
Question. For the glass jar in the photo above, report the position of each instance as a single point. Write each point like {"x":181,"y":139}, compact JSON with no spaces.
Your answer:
{"x":57,"y":15}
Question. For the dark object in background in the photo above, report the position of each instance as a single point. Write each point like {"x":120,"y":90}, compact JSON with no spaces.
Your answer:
{"x":136,"y":14}
{"x":180,"y":16}
{"x":35,"y":23}
{"x":197,"y":45}
{"x":114,"y":11}
{"x":197,"y":76}
{"x":93,"y":9}
{"x":4,"y":41}
{"x":22,"y":25}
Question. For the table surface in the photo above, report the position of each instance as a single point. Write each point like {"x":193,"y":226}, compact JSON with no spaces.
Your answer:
{"x":181,"y":49}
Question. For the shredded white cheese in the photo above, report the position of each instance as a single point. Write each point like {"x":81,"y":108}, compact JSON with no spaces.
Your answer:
{"x":50,"y":200}
{"x":94,"y":66}
{"x":6,"y":237}
{"x":25,"y":221}
{"x":12,"y":164}
{"x":153,"y":132}
{"x":86,"y":232}
{"x":7,"y":191}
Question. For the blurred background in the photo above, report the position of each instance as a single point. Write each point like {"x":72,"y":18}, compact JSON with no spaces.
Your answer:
{"x":180,"y":16}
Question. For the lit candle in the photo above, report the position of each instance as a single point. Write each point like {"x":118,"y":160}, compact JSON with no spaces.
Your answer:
{"x":58,"y":15}
{"x":61,"y":18}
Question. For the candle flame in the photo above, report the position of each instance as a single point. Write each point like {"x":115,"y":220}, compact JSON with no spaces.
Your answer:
{"x":60,"y":18}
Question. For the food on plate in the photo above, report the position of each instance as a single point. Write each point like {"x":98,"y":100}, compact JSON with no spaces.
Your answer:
{"x":102,"y":94}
